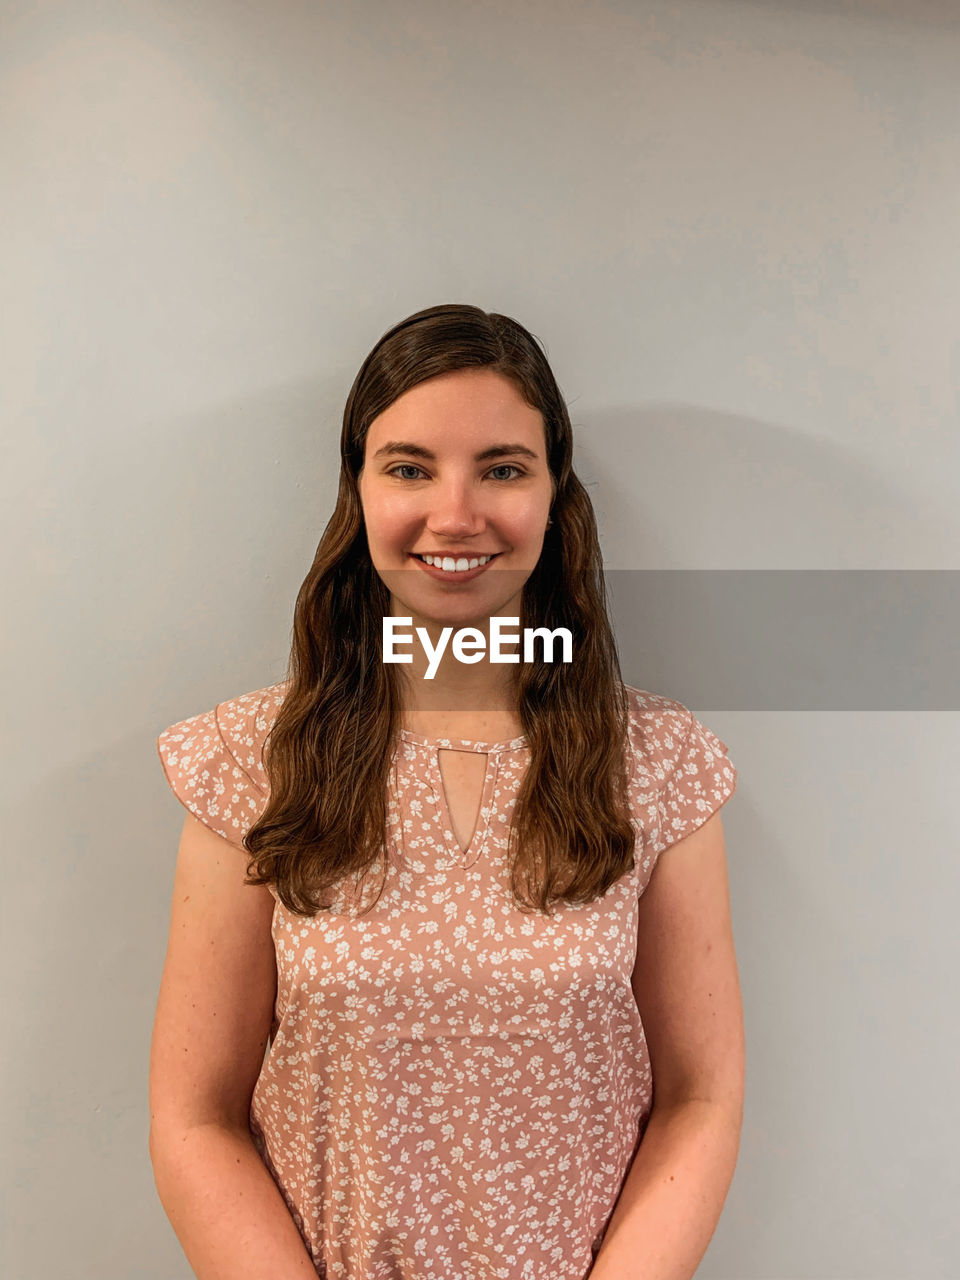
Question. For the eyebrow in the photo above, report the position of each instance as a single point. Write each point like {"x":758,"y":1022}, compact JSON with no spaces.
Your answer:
{"x":393,"y":447}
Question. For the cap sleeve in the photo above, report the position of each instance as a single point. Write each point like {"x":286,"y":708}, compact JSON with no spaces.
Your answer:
{"x":700,"y":781}
{"x":681,"y":773}
{"x":213,"y":768}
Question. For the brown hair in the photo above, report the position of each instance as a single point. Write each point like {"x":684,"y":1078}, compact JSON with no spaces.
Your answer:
{"x":330,"y":747}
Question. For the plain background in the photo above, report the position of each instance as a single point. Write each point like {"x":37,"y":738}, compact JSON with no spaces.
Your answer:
{"x":734,"y":225}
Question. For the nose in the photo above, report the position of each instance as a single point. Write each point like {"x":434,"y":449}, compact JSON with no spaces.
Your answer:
{"x":454,"y":510}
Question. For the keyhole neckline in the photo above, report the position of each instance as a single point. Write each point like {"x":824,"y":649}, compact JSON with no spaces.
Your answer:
{"x":491,"y":768}
{"x":463,"y":744}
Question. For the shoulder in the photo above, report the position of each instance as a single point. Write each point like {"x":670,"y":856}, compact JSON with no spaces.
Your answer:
{"x":678,"y":766}
{"x":213,"y":760}
{"x":657,"y":729}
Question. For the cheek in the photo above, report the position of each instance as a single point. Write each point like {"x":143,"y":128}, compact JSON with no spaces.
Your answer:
{"x":390,"y":525}
{"x":528,"y":519}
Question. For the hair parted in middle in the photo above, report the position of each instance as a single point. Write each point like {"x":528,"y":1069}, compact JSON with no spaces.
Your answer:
{"x":329,"y":751}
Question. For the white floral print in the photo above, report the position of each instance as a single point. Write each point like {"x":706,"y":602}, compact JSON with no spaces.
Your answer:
{"x":454,"y":1089}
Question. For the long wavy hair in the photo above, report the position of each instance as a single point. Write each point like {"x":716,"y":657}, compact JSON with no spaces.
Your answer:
{"x":329,"y":751}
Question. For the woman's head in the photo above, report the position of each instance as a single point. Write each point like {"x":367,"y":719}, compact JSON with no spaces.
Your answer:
{"x":456,"y":469}
{"x":456,"y":381}
{"x":453,"y":381}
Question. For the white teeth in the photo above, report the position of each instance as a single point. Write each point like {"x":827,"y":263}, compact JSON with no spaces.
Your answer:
{"x":449,"y":565}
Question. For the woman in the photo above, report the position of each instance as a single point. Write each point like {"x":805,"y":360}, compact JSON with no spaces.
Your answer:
{"x":450,"y":930}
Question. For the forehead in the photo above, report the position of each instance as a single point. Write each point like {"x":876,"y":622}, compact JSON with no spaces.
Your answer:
{"x":466,"y":404}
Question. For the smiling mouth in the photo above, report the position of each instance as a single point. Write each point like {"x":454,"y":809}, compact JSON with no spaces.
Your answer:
{"x":455,"y":564}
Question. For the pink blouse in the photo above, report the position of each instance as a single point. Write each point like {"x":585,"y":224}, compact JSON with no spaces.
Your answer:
{"x":454,"y":1090}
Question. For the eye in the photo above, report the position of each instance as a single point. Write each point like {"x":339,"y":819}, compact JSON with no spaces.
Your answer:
{"x":508,"y":466}
{"x":404,"y":466}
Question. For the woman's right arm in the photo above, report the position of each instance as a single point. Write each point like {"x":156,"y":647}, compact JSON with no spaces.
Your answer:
{"x":211,"y":1028}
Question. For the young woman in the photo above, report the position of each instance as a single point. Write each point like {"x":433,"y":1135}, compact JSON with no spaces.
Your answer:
{"x":452,"y":921}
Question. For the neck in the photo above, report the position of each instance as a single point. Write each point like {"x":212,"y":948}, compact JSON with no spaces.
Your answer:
{"x":452,"y":716}
{"x":444,"y":696}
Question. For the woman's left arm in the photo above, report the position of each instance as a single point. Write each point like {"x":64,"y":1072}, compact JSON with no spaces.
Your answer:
{"x":688,"y":992}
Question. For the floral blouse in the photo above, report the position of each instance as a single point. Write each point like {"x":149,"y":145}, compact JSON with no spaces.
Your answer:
{"x":454,"y":1090}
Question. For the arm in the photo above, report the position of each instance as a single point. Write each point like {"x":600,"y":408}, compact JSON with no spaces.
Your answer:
{"x":687,"y":989}
{"x":212,"y":1023}
{"x":223,"y":1204}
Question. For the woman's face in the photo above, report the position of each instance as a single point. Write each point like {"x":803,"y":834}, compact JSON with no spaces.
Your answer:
{"x":456,"y":467}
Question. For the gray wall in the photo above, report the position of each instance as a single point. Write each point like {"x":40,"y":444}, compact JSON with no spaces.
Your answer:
{"x":735,"y":227}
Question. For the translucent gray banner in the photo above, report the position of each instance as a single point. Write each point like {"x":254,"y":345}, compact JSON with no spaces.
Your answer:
{"x":772,"y":639}
{"x":791,"y":639}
